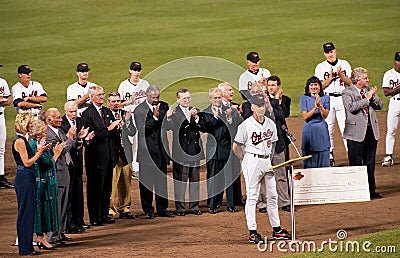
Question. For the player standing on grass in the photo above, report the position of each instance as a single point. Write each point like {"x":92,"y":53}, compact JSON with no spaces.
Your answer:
{"x":254,"y":145}
{"x":391,"y":87}
{"x":334,"y":74}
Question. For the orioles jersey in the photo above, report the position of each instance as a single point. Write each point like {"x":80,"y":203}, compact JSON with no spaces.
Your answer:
{"x":127,"y":90}
{"x":19,"y":92}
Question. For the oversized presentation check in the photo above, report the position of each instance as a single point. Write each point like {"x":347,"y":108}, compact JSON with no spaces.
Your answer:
{"x":330,"y":185}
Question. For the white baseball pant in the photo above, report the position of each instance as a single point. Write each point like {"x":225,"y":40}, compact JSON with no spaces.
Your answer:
{"x":3,"y":137}
{"x":393,"y":119}
{"x":338,"y":113}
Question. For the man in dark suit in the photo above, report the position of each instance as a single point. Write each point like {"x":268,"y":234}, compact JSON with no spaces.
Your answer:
{"x":361,"y":126}
{"x":99,"y":157}
{"x":186,"y":152}
{"x":152,"y":157}
{"x":122,"y":172}
{"x":217,"y":120}
{"x":56,"y":135}
{"x":75,"y":222}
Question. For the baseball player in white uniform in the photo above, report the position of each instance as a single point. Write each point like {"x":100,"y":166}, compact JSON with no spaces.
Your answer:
{"x":27,"y":94}
{"x":391,"y":87}
{"x":335,"y":75}
{"x":5,"y":100}
{"x":133,"y":92}
{"x":78,"y":91}
{"x":252,"y":75}
{"x":254,"y":145}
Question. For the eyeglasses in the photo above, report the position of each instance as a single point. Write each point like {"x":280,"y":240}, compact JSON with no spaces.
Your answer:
{"x":100,"y":94}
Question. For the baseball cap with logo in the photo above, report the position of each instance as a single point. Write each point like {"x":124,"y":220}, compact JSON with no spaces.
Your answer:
{"x":82,"y":67}
{"x":328,"y":47}
{"x":136,"y":66}
{"x":253,"y":57}
{"x":258,"y":99}
{"x":24,"y":69}
{"x":397,"y":56}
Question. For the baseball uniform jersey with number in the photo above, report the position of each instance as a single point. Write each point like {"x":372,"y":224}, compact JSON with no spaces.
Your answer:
{"x":258,"y":140}
{"x":334,"y":90}
{"x":247,"y":78}
{"x":4,"y":93}
{"x":127,"y":90}
{"x":76,"y":91}
{"x":391,"y":79}
{"x":19,"y":92}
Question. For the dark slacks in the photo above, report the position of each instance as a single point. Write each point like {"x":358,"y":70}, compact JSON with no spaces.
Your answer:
{"x":364,"y":153}
{"x":182,"y":173}
{"x":25,"y":189}
{"x":153,"y":179}
{"x":216,"y":183}
{"x":76,"y":204}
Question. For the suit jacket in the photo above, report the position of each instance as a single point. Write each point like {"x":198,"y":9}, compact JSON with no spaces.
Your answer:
{"x":220,"y":132}
{"x":100,"y":149}
{"x":120,"y":141}
{"x":356,"y":117}
{"x":76,"y":150}
{"x":152,"y":141}
{"x":186,"y":143}
{"x":61,"y":163}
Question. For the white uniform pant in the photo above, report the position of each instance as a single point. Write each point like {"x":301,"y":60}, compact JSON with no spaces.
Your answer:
{"x":393,"y":118}
{"x":3,"y":136}
{"x":255,"y":172}
{"x":338,"y":113}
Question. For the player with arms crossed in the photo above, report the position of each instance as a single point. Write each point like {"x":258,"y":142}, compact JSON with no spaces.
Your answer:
{"x":253,"y":145}
{"x":78,"y":91}
{"x":334,"y":74}
{"x":391,"y":87}
{"x":252,"y":75}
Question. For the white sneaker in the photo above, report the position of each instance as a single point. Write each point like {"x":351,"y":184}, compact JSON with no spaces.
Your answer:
{"x":387,"y":161}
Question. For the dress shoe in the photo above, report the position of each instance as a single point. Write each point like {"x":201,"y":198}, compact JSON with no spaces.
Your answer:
{"x":84,"y":226}
{"x":195,"y":212}
{"x":97,"y":223}
{"x":213,"y":211}
{"x":65,"y":238}
{"x":286,"y":208}
{"x":42,"y":246}
{"x":262,"y":210}
{"x":150,"y":215}
{"x":75,"y":230}
{"x":180,"y":213}
{"x":32,"y":253}
{"x":126,"y":215}
{"x":166,"y":214}
{"x":5,"y":184}
{"x":230,"y":209}
{"x":57,"y":244}
{"x":109,"y":220}
{"x":375,"y":195}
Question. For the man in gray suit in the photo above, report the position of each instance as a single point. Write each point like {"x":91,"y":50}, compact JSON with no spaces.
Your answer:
{"x":361,"y":126}
{"x":54,"y":135}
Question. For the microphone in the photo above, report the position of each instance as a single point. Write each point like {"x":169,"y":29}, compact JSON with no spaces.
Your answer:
{"x":291,"y":137}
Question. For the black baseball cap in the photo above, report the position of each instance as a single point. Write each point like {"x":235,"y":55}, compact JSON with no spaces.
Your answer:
{"x":24,"y":69}
{"x":258,"y":100}
{"x":397,"y":56}
{"x":253,"y":57}
{"x":82,"y":67}
{"x":136,"y":66}
{"x":328,"y":47}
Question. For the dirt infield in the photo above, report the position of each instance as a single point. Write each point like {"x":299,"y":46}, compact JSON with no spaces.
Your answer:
{"x":223,"y":234}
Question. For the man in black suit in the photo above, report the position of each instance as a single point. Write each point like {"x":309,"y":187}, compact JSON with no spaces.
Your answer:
{"x":186,"y":152}
{"x":75,"y":222}
{"x":99,"y":157}
{"x":152,"y":155}
{"x":122,"y":172}
{"x":217,"y":120}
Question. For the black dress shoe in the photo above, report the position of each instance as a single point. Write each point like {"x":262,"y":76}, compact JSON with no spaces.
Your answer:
{"x":32,"y":253}
{"x":166,"y":214}
{"x":286,"y":208}
{"x":126,"y":215}
{"x":262,"y":210}
{"x":375,"y":195}
{"x":65,"y":238}
{"x":195,"y":212}
{"x":230,"y":209}
{"x":84,"y":226}
{"x":57,"y":244}
{"x":180,"y":213}
{"x":75,"y":230}
{"x":108,"y":219}
{"x":150,"y":215}
{"x":213,"y":211}
{"x":97,"y":223}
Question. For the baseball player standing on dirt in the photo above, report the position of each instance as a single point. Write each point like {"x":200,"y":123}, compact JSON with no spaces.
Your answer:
{"x":254,"y":145}
{"x":78,"y":91}
{"x":334,"y":74}
{"x":391,"y":87}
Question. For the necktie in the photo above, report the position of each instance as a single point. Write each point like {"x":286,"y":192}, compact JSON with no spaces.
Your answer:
{"x":102,"y":116}
{"x":73,"y":122}
{"x":67,"y":154}
{"x":363,"y":96}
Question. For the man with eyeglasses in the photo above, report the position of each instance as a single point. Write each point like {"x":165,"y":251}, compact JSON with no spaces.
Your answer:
{"x":78,"y":91}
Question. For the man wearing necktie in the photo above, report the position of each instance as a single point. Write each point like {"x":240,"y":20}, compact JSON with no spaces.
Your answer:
{"x":361,"y":126}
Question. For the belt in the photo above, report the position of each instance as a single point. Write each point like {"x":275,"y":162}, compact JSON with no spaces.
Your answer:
{"x":260,"y":156}
{"x":1,"y":113}
{"x":335,"y":94}
{"x":392,"y":98}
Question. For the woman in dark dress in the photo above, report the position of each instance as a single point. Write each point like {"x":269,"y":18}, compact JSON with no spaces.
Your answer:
{"x":25,"y":182}
{"x":46,"y":216}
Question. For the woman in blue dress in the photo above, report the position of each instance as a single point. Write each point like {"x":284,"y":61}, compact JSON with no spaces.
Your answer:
{"x":314,"y":108}
{"x":24,"y":183}
{"x":46,"y":216}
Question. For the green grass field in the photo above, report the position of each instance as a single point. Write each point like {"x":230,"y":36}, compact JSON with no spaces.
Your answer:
{"x":53,"y":36}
